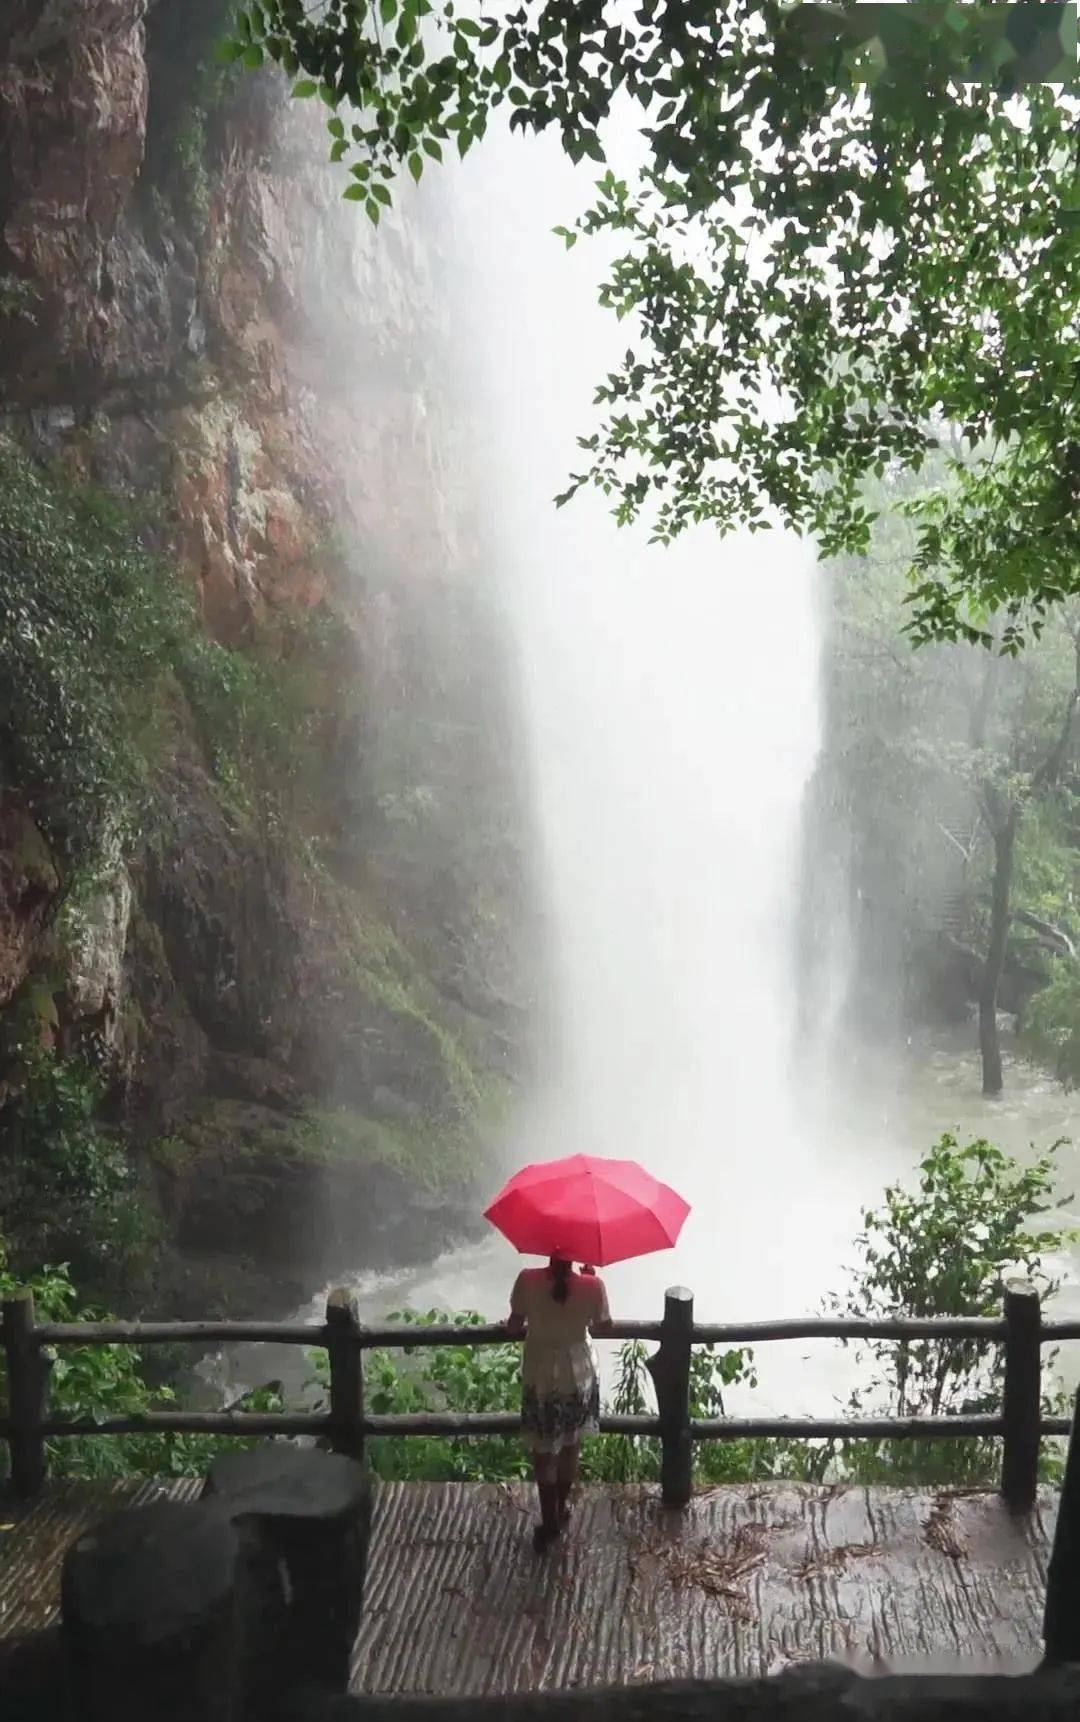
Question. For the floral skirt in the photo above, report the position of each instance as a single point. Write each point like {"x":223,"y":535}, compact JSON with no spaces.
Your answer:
{"x":560,"y":1398}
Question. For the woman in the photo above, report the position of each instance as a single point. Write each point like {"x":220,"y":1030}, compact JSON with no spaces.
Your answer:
{"x":557,"y":1309}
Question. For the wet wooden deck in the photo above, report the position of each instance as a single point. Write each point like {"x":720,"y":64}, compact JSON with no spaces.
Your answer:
{"x":748,"y":1580}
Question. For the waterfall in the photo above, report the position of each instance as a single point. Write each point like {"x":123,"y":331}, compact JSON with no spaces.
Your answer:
{"x":673,"y":710}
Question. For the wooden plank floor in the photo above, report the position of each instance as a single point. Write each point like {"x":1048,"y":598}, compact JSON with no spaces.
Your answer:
{"x":747,"y":1580}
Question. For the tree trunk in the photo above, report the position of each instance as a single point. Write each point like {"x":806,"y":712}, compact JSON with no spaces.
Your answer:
{"x":989,"y":1044}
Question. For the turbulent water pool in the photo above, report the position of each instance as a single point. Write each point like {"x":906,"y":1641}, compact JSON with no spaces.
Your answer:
{"x":760,"y":1246}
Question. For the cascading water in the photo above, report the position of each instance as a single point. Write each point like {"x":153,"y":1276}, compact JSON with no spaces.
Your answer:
{"x":672,"y":705}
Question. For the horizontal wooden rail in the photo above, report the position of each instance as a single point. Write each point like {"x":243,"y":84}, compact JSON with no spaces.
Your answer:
{"x":981,"y":1328}
{"x":1019,"y":1330}
{"x":442,"y":1423}
{"x":1054,"y":1331}
{"x":185,"y":1423}
{"x":842,"y":1428}
{"x":392,"y":1335}
{"x":179,"y":1332}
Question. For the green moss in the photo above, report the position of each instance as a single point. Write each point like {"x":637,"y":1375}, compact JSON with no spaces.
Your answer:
{"x":238,"y":1130}
{"x":28,"y":1023}
{"x":426,"y":1156}
{"x":19,"y":299}
{"x":107,"y":667}
{"x":387,"y":974}
{"x":34,"y":856}
{"x":173,"y":1154}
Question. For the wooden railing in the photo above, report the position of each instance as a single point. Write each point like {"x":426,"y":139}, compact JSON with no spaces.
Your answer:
{"x":347,"y":1424}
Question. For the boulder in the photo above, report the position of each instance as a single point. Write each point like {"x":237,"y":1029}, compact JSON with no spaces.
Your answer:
{"x":157,"y":1617}
{"x":309,"y":1512}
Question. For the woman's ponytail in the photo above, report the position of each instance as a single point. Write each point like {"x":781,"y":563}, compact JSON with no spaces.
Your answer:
{"x":560,"y":1272}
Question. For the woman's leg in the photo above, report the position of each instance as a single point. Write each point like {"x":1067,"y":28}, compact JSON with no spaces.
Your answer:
{"x":566,"y":1477}
{"x":545,"y":1472}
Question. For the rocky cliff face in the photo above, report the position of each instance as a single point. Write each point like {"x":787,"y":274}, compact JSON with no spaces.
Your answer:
{"x":309,"y":1003}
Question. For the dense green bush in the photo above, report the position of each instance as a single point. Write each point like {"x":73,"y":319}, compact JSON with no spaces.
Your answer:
{"x":97,"y":630}
{"x":97,"y":1381}
{"x":947,"y":1249}
{"x":88,"y":627}
{"x":1052,"y":1030}
{"x":488,"y":1378}
{"x":66,"y":1186}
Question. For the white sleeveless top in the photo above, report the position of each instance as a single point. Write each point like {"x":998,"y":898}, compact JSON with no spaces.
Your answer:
{"x":554,"y":1331}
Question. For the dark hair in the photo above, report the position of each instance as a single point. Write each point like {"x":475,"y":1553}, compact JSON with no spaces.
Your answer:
{"x":560,"y":1272}
{"x":586,"y":1269}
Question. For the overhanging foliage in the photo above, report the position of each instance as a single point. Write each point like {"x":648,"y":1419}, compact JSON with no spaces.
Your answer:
{"x":835,"y":246}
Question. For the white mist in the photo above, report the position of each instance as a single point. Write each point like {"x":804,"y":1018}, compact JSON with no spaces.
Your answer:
{"x":673,"y":708}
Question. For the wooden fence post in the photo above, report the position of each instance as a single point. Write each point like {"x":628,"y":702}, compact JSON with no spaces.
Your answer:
{"x":1022,"y":1406}
{"x":346,"y":1374}
{"x":1061,"y":1616}
{"x":26,"y":1374}
{"x":670,"y":1370}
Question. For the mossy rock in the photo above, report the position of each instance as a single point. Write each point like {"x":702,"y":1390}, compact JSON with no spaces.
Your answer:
{"x":30,"y":1021}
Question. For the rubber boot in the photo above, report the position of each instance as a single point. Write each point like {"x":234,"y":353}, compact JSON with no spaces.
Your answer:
{"x":564,"y":1490}
{"x":548,"y":1528}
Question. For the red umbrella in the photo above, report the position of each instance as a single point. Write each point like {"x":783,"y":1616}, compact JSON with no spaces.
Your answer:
{"x":588,"y":1209}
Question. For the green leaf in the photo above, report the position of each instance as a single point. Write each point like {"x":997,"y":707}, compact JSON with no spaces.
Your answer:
{"x":355,"y":193}
{"x":336,"y":127}
{"x":433,"y":149}
{"x":387,"y":10}
{"x":381,"y":194}
{"x":253,"y":57}
{"x":416,"y":165}
{"x":306,"y":87}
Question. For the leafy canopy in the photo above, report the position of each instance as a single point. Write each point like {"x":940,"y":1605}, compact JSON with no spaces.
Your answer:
{"x":837,"y":243}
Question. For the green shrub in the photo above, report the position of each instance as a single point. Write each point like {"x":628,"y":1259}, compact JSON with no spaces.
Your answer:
{"x":944,"y":1250}
{"x":98,"y":1381}
{"x":66,"y":1185}
{"x":1052,"y":1030}
{"x":86,"y":634}
{"x":488,"y":1378}
{"x":19,"y":299}
{"x":97,"y":631}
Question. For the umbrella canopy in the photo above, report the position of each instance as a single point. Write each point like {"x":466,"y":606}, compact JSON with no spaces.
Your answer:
{"x":588,"y":1209}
